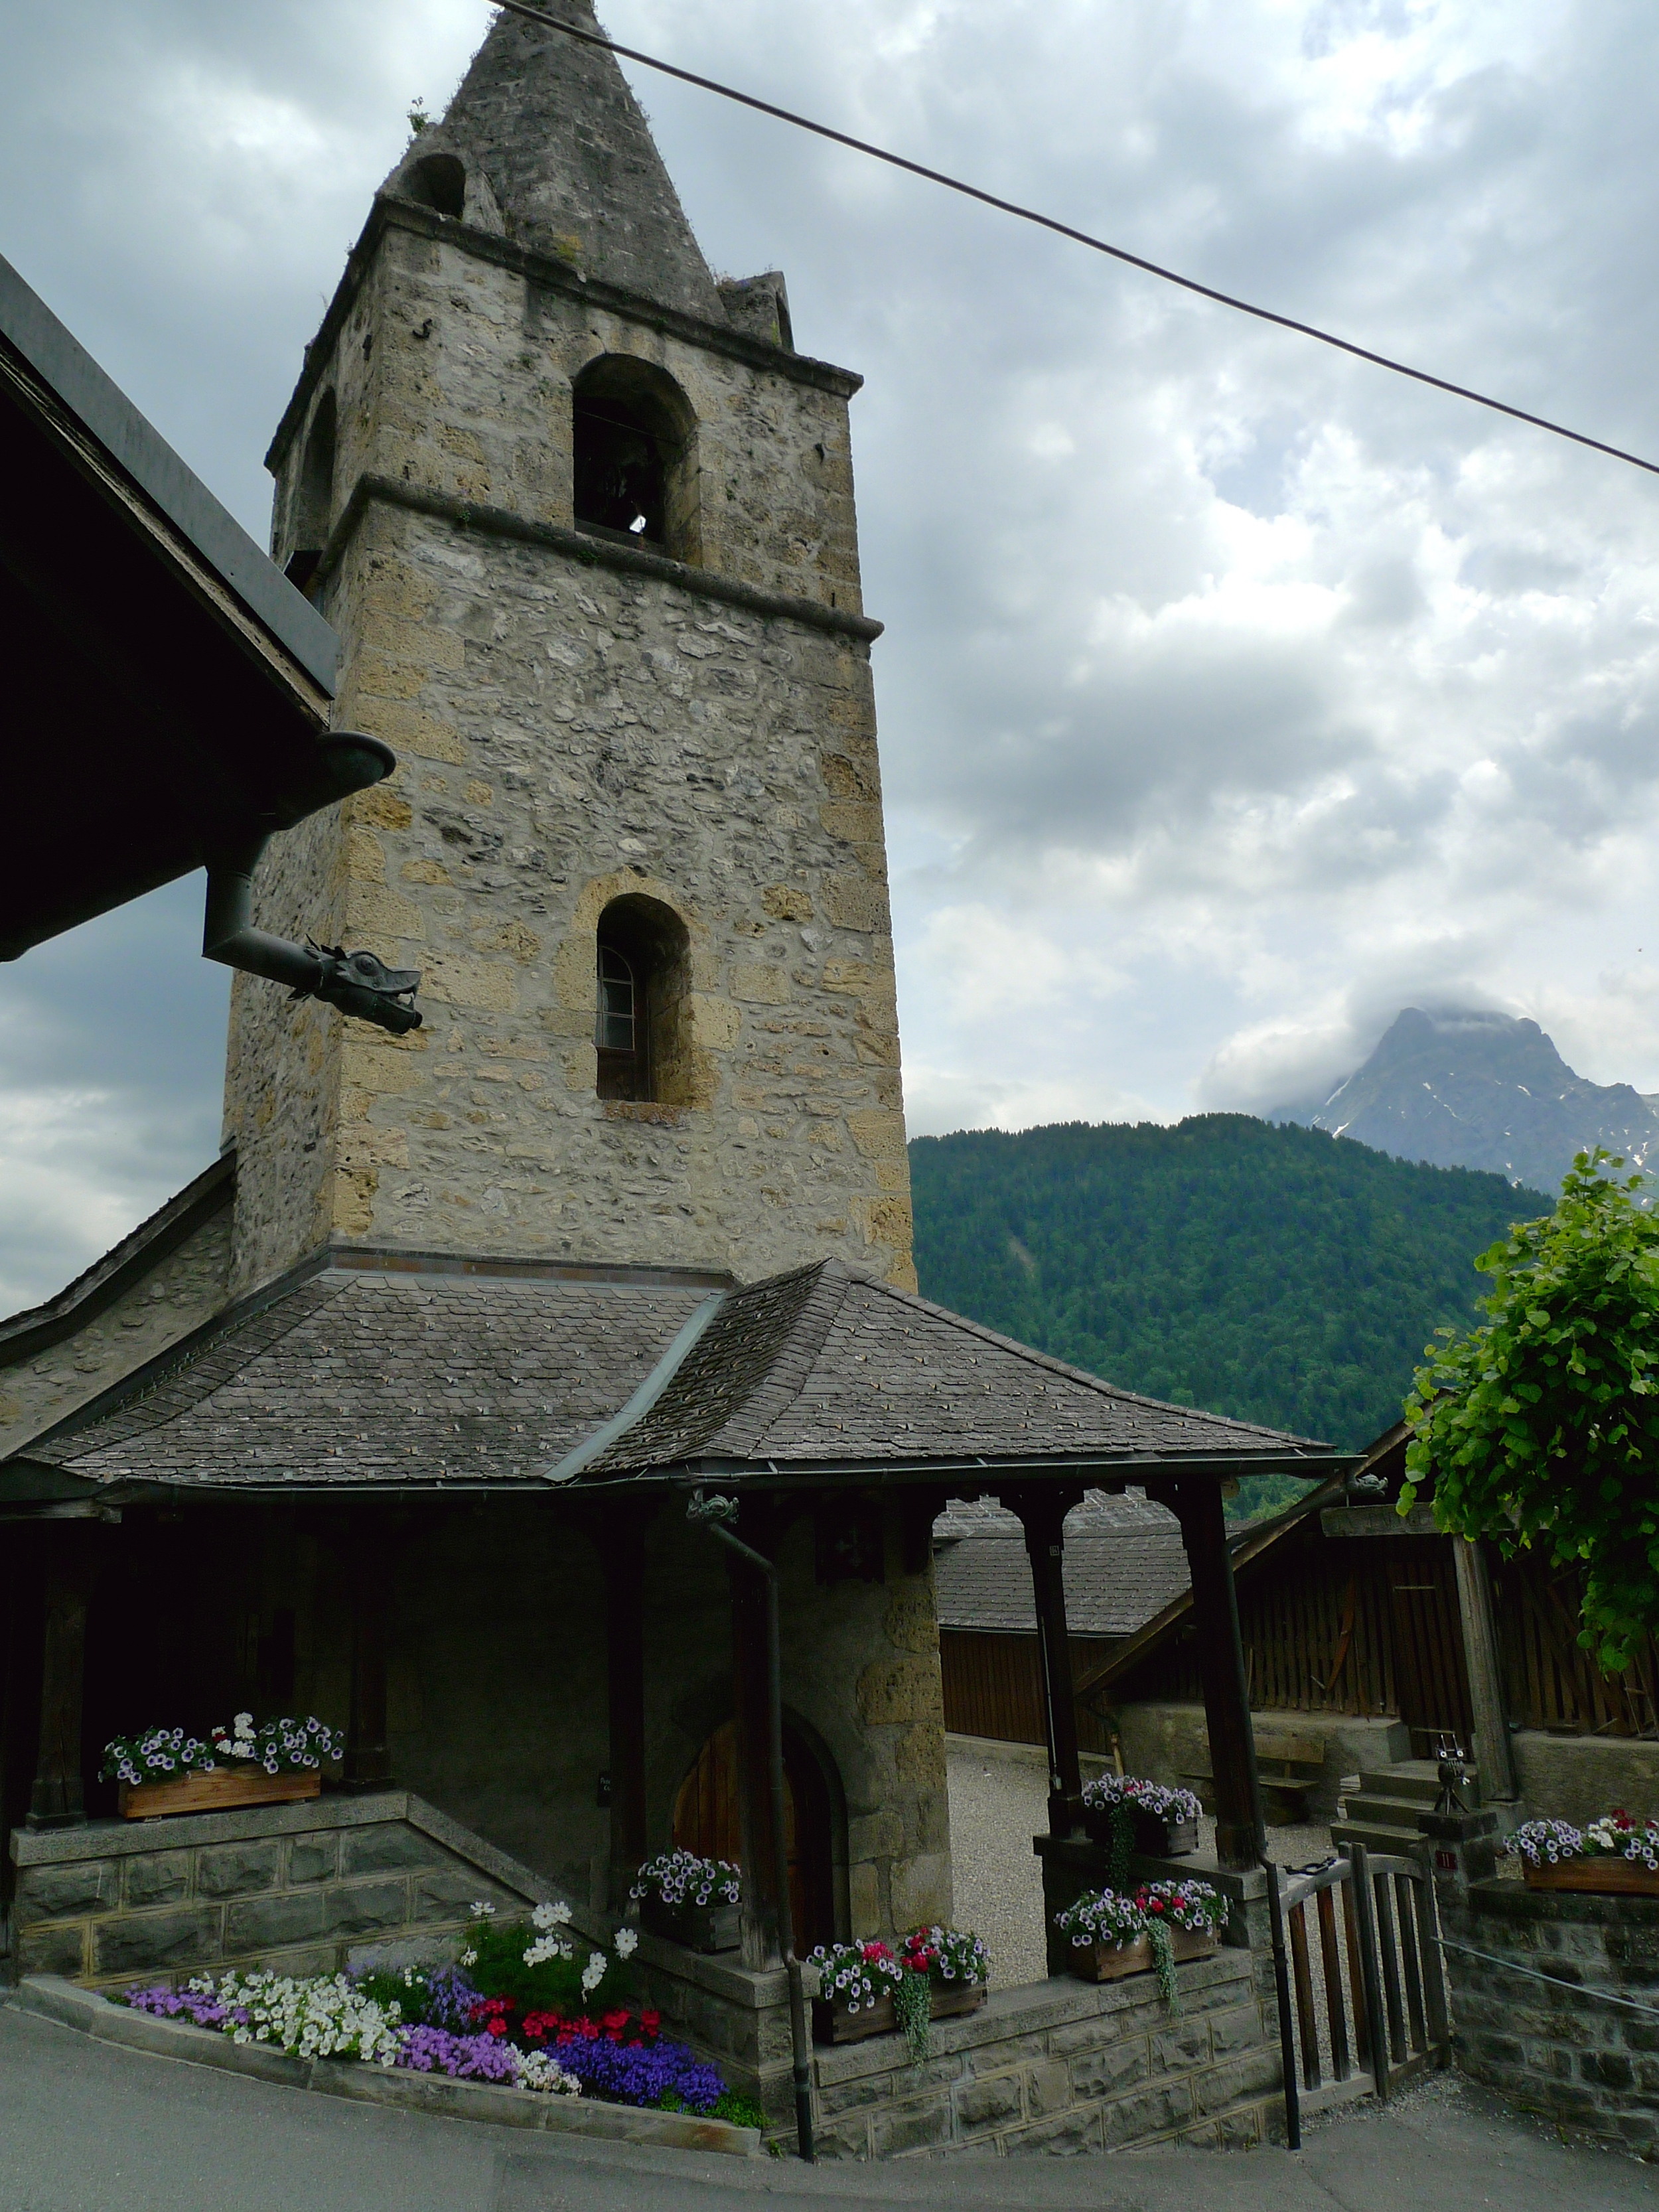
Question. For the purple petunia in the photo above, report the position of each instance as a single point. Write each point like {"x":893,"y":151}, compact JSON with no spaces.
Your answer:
{"x":467,"y":2058}
{"x":201,"y":2007}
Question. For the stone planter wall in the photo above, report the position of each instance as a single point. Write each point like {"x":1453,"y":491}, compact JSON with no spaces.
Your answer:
{"x":1555,"y":2049}
{"x":301,"y":1888}
{"x":1064,"y":2066}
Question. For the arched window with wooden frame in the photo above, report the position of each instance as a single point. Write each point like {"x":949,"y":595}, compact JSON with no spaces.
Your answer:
{"x":635,"y":456}
{"x":642,"y":984}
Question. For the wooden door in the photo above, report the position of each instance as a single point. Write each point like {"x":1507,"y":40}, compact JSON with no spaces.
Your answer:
{"x":1430,"y":1678}
{"x":707,"y":1820}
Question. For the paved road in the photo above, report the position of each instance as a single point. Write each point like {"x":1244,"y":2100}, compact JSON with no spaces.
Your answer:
{"x":87,"y":2127}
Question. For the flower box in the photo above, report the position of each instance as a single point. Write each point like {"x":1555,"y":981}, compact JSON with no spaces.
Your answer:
{"x":1111,"y":1962}
{"x":1154,"y":1835}
{"x":835,"y":2023}
{"x":1595,"y":1877}
{"x":220,"y":1791}
{"x":698,"y":1927}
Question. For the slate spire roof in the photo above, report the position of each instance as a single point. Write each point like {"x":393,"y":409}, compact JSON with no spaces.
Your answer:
{"x":380,"y":1370}
{"x":572,"y":163}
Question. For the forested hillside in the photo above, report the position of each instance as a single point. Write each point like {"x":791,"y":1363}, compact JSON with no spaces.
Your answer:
{"x":1276,"y":1273}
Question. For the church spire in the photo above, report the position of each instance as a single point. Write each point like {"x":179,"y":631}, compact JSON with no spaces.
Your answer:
{"x":571,"y":160}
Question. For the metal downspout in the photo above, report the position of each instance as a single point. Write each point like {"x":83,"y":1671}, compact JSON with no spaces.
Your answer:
{"x":710,"y":1512}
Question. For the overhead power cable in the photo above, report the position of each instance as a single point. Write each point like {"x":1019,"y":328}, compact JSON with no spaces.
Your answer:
{"x":1065,"y":230}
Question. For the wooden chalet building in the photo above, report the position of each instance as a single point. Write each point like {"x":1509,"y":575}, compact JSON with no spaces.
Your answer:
{"x":1346,"y":1614}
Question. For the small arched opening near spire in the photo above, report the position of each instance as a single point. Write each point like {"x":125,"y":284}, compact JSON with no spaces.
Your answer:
{"x":438,"y":181}
{"x":635,"y":438}
{"x":314,"y":497}
{"x":644,"y":985}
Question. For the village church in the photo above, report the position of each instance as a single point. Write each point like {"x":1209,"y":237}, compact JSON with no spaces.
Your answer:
{"x":394,"y":1414}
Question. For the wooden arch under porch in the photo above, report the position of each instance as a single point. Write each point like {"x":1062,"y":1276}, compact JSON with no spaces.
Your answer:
{"x":597,"y":1403}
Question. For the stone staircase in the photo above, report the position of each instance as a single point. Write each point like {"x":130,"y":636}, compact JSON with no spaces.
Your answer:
{"x":1384,"y":1812}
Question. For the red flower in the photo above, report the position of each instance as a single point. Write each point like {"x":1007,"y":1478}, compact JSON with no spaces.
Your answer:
{"x":650,"y":2022}
{"x":498,"y":2027}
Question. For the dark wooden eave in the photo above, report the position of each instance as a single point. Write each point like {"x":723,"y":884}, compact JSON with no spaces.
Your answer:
{"x":167,"y":686}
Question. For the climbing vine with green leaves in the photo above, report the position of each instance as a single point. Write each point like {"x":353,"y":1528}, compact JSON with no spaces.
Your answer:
{"x":1541,"y":1428}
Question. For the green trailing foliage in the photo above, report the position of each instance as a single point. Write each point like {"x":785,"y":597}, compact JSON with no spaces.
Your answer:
{"x":1277,"y":1275}
{"x":1539,"y":1428}
{"x":1123,"y":1826}
{"x":1164,"y":1965}
{"x":913,"y":2009}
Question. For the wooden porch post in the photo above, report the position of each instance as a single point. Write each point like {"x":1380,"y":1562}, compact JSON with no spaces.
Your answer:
{"x":620,"y":1535}
{"x":763,"y":1877}
{"x":1043,"y":1512}
{"x":58,"y":1797}
{"x":1494,"y":1753}
{"x":369,"y":1572}
{"x":1240,"y":1833}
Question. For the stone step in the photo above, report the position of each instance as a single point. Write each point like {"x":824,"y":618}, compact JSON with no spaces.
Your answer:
{"x":1411,"y":1778}
{"x":1375,"y":1837}
{"x":1369,"y":1812}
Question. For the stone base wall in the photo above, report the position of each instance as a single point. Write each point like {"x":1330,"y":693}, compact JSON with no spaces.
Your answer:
{"x":738,"y":2016}
{"x":1064,"y":2066}
{"x":1556,"y":2049}
{"x":1579,"y":1777}
{"x":303,"y":1889}
{"x":321,"y":1888}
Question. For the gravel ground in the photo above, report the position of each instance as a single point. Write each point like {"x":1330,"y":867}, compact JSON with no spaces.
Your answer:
{"x":999,"y":1801}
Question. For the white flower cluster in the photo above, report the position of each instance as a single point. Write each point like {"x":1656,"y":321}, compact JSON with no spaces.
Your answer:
{"x":534,"y":2070}
{"x":296,"y":1747}
{"x":1141,"y":1795}
{"x":550,"y":1941}
{"x":857,"y":1975}
{"x":155,"y":1755}
{"x":1547,"y":1842}
{"x":1102,"y":1916}
{"x":326,"y":2018}
{"x":1620,"y":1836}
{"x":680,"y":1877}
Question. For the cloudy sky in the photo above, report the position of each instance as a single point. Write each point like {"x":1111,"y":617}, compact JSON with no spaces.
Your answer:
{"x":1234,"y":694}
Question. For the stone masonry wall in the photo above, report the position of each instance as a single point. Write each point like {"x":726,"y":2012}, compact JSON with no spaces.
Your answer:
{"x":1065,"y":2067}
{"x":569,"y":732}
{"x":1557,"y":2049}
{"x":298,"y":1888}
{"x":508,"y":1733}
{"x":182,"y":1291}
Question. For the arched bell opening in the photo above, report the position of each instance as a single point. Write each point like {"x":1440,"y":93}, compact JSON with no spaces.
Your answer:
{"x":635,"y":441}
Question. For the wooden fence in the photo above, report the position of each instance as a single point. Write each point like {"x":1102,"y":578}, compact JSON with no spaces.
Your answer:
{"x":1360,"y":1626}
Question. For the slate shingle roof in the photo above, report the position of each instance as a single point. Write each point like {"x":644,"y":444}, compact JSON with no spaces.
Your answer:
{"x":358,"y":1376}
{"x":365,"y":1373}
{"x":842,"y":1369}
{"x":1123,"y":1562}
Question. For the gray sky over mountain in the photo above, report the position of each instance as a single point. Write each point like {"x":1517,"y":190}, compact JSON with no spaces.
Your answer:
{"x":1234,"y":694}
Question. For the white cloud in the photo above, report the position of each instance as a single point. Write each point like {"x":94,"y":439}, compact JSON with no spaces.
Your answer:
{"x":1234,"y":693}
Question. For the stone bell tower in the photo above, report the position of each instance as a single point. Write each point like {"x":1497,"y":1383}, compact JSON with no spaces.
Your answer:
{"x":584,"y":520}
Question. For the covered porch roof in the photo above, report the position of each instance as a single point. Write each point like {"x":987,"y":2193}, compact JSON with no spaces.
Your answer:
{"x":365,"y":1370}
